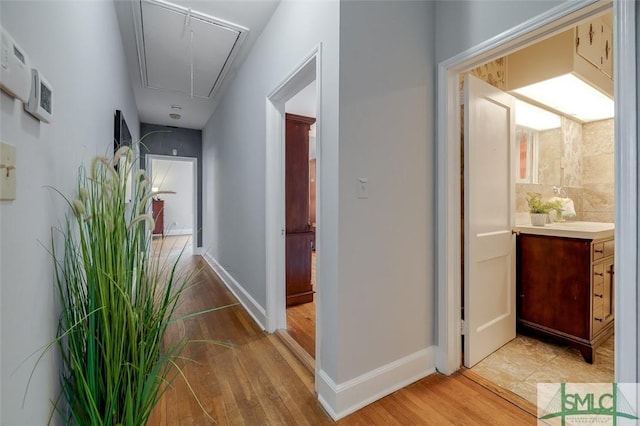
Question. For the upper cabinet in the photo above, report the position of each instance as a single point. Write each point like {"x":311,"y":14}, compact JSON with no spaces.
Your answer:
{"x":585,"y":51}
{"x":594,"y":42}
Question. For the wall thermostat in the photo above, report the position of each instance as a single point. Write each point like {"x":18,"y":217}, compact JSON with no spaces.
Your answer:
{"x":41,"y":100}
{"x":15,"y":70}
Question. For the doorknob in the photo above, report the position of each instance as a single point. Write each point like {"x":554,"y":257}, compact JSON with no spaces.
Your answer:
{"x":514,"y":231}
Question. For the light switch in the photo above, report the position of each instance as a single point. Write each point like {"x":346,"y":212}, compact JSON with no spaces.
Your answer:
{"x":363,"y":188}
{"x":7,"y":172}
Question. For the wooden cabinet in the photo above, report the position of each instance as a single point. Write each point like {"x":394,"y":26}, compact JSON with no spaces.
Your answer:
{"x":299,"y":238}
{"x":565,"y":289}
{"x":157,"y":209}
{"x":585,"y":50}
{"x":594,"y":42}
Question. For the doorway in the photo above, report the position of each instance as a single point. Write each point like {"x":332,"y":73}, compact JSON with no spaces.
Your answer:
{"x":559,"y":156}
{"x":306,"y":79}
{"x":450,"y":235}
{"x":300,"y":217}
{"x":174,"y":212}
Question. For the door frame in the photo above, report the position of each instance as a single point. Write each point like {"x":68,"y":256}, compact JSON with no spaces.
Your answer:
{"x":448,"y":252}
{"x":305,"y":73}
{"x":194,"y":164}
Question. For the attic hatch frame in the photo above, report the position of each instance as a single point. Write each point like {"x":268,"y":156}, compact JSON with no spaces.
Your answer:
{"x":188,"y":14}
{"x":627,"y":241}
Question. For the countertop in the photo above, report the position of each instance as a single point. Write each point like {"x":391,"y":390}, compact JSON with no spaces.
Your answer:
{"x":582,"y":230}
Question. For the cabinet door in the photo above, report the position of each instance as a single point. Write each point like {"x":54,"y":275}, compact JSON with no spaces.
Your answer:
{"x":590,"y":42}
{"x":607,"y":50}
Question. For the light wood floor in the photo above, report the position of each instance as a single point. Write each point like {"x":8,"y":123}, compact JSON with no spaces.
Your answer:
{"x":259,"y":382}
{"x":301,"y":319}
{"x":301,"y":326}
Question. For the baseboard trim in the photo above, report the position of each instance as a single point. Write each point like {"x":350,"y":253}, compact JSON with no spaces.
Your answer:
{"x":340,"y":400}
{"x":297,"y":350}
{"x":173,"y":232}
{"x":254,"y":309}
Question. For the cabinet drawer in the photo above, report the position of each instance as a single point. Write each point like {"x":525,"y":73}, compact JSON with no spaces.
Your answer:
{"x":598,"y":274}
{"x":598,"y":291}
{"x":598,"y":250}
{"x":602,"y":249}
{"x":598,"y":318}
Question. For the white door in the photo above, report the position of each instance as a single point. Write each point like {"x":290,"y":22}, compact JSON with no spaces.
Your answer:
{"x":489,"y":206}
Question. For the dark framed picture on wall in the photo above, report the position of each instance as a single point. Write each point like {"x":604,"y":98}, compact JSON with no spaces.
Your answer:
{"x":122,"y":137}
{"x":121,"y":134}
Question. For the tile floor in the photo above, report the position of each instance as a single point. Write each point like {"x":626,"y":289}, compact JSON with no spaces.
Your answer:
{"x":520,"y":364}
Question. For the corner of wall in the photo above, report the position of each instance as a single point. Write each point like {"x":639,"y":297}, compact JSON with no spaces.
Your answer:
{"x":340,"y":400}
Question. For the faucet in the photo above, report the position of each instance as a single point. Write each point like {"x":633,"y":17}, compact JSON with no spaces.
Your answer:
{"x":559,"y":191}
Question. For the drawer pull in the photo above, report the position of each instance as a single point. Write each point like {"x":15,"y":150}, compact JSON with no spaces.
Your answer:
{"x":598,"y":295}
{"x":598,"y":250}
{"x":600,"y":274}
{"x":598,"y":319}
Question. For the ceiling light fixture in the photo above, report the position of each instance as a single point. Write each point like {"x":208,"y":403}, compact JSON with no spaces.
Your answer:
{"x":531,"y":116}
{"x":175,"y":116}
{"x":571,"y":96}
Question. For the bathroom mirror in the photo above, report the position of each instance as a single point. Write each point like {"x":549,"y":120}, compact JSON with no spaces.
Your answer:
{"x":539,"y":145}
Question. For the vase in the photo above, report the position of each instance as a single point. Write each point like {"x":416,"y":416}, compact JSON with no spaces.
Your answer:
{"x":538,"y":219}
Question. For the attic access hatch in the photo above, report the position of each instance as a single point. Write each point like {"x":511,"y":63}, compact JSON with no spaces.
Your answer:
{"x":182,"y":50}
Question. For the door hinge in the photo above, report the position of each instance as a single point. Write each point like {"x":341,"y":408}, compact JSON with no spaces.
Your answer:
{"x":462,"y":327}
{"x":283,"y":232}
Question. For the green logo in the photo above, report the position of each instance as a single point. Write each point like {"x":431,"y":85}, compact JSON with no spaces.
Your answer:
{"x":586,"y":403}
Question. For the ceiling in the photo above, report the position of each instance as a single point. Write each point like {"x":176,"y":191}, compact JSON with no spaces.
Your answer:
{"x":181,"y":55}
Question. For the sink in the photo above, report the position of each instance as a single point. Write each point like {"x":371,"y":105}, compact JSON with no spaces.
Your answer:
{"x":583,"y":230}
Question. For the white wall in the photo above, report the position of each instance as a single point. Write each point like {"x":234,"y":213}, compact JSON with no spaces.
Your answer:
{"x":77,"y":47}
{"x":386,"y":293}
{"x":462,"y":24}
{"x":176,"y":176}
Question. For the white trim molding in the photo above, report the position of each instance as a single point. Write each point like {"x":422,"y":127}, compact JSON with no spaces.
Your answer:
{"x":627,"y":242}
{"x":340,"y":400}
{"x":250,"y":304}
{"x":448,"y":232}
{"x":176,"y":231}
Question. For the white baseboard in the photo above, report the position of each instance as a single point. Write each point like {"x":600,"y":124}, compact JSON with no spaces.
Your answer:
{"x":254,"y":309}
{"x":340,"y":400}
{"x":173,"y":231}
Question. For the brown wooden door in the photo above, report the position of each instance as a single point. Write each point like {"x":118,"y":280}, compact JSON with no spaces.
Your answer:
{"x":299,"y":235}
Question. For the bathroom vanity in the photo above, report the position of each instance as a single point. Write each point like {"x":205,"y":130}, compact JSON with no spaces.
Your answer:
{"x":565,"y":283}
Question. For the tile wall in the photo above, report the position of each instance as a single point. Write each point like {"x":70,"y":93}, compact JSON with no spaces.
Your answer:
{"x":588,"y":174}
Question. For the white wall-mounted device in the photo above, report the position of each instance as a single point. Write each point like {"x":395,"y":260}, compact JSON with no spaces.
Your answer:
{"x":15,"y":71}
{"x":41,"y":100}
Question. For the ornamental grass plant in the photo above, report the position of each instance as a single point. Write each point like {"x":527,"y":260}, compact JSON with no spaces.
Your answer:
{"x":117,"y":300}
